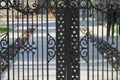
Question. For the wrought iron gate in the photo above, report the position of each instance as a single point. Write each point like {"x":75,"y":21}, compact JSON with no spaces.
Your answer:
{"x":59,"y":40}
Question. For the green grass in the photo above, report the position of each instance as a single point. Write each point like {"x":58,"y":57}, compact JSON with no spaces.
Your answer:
{"x":3,"y":29}
{"x":116,"y":28}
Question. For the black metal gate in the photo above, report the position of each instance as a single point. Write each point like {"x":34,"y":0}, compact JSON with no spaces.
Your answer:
{"x":59,"y":40}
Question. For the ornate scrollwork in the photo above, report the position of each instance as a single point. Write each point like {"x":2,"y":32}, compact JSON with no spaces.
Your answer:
{"x":83,"y":48}
{"x":28,"y":47}
{"x":83,"y":4}
{"x":51,"y":48}
{"x":60,"y":3}
{"x":74,"y":3}
{"x":26,"y":44}
{"x":26,"y":7}
{"x":54,"y":3}
{"x":106,"y":50}
{"x":3,"y":45}
{"x":103,"y":7}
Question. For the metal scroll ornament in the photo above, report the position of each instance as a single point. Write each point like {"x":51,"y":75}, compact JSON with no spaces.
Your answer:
{"x":74,"y":3}
{"x":83,"y":48}
{"x":106,"y":50}
{"x":104,"y":5}
{"x":27,"y":6}
{"x":51,"y":48}
{"x":3,"y":46}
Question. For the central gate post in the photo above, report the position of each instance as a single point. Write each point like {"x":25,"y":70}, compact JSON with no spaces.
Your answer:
{"x":67,"y":43}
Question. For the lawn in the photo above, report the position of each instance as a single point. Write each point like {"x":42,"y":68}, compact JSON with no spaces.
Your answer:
{"x":3,"y":29}
{"x":116,"y":28}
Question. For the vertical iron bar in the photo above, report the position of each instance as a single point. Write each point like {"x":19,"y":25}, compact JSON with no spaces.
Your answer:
{"x":102,"y":40}
{"x":37,"y":48}
{"x":47,"y":39}
{"x":32,"y":66}
{"x":22,"y":42}
{"x":23,"y":65}
{"x":18,"y":40}
{"x":97,"y":50}
{"x":80,"y":39}
{"x":112,"y":44}
{"x":8,"y":39}
{"x":88,"y":39}
{"x":73,"y":44}
{"x":68,"y":40}
{"x":117,"y":42}
{"x":32,"y":43}
{"x":108,"y":4}
{"x":42,"y":44}
{"x":61,"y":50}
{"x":13,"y":40}
{"x":93,"y":44}
{"x":27,"y":40}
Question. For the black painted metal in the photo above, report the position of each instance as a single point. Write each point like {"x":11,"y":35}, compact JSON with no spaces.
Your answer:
{"x":49,"y":40}
{"x":67,"y":38}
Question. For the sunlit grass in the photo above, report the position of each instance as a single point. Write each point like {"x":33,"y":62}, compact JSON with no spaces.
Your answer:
{"x":116,"y":28}
{"x":3,"y":29}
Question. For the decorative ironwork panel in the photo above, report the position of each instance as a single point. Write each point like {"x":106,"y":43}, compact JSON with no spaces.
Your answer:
{"x":51,"y":47}
{"x":60,"y":44}
{"x":74,"y":41}
{"x":67,"y":43}
{"x":28,"y":52}
{"x":3,"y":46}
{"x":83,"y":48}
{"x":107,"y":51}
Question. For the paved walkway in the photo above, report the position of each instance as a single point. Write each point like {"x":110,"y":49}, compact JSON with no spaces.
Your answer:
{"x":97,"y":66}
